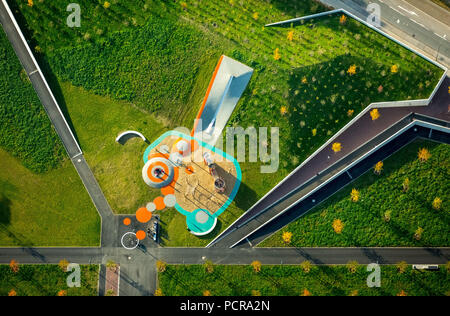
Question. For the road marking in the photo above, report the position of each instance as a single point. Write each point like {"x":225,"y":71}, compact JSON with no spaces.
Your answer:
{"x":396,"y":11}
{"x":443,"y":37}
{"x":33,"y":72}
{"x":410,"y":12}
{"x":420,"y":24}
{"x":249,"y":242}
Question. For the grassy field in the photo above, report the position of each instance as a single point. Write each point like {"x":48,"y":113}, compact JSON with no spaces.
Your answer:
{"x":51,"y":209}
{"x":25,"y":130}
{"x":159,"y":56}
{"x":231,"y":280}
{"x":364,"y":223}
{"x":46,"y":280}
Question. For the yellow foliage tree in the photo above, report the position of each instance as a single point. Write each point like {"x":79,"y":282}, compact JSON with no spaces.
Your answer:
{"x":375,"y":114}
{"x":394,"y":69}
{"x":437,"y":203}
{"x":378,"y":167}
{"x":62,"y":293}
{"x":256,"y":15}
{"x":256,"y":293}
{"x":306,"y":293}
{"x":106,"y":5}
{"x":283,"y":110}
{"x":354,"y":293}
{"x":354,"y":195}
{"x":287,"y":237}
{"x":351,"y":70}
{"x":63,"y":264}
{"x":161,"y":266}
{"x":12,"y":293}
{"x":402,"y":293}
{"x":314,"y":132}
{"x":206,"y":293}
{"x":405,"y":185}
{"x":209,"y":266}
{"x":338,"y":226}
{"x":306,"y":266}
{"x":418,"y":233}
{"x":290,"y":36}
{"x":159,"y":292}
{"x":352,"y":266}
{"x":350,"y":113}
{"x":402,"y":266}
{"x":14,"y":266}
{"x":342,"y":19}
{"x":30,"y":3}
{"x":256,"y":266}
{"x":424,"y":154}
{"x":336,"y":147}
{"x":276,"y":54}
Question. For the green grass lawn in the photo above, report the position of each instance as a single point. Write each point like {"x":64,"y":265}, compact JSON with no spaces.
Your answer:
{"x":46,"y":280}
{"x":363,"y":221}
{"x":159,"y":57}
{"x":238,"y":280}
{"x":51,"y":209}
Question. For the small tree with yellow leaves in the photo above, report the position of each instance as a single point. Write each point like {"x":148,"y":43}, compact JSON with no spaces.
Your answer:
{"x":206,"y":293}
{"x":354,"y":195}
{"x":276,"y":54}
{"x":405,"y":185}
{"x":12,"y":293}
{"x":290,"y":35}
{"x":161,"y":266}
{"x":256,"y":266}
{"x":424,"y":155}
{"x":378,"y":168}
{"x":62,"y":293}
{"x":437,"y":204}
{"x":394,"y":69}
{"x":402,"y":293}
{"x":336,"y":147}
{"x":287,"y":237}
{"x":306,"y":293}
{"x":375,"y":114}
{"x":63,"y":264}
{"x":402,"y":266}
{"x":159,"y":292}
{"x":351,"y":70}
{"x":338,"y":226}
{"x":14,"y":266}
{"x":418,"y":233}
{"x":256,"y":293}
{"x":343,"y":19}
{"x":352,"y":266}
{"x":106,"y":5}
{"x":209,"y":266}
{"x":30,"y":3}
{"x":306,"y":266}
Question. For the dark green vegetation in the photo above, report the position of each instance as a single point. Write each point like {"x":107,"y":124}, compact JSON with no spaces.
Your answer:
{"x":46,"y":280}
{"x":25,"y":130}
{"x":364,"y":223}
{"x":292,"y":281}
{"x":160,"y":56}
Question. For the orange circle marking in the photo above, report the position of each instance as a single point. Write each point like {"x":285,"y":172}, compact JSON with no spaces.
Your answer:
{"x":127,"y":221}
{"x":159,"y":202}
{"x":162,"y":166}
{"x":143,"y":215}
{"x":168,"y":189}
{"x":140,"y":235}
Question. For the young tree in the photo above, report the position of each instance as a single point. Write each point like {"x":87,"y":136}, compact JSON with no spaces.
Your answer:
{"x":276,"y":54}
{"x":63,"y":264}
{"x":306,"y":293}
{"x":354,"y":195}
{"x":306,"y":266}
{"x":354,"y":293}
{"x":287,"y":237}
{"x":209,"y":266}
{"x":336,"y":147}
{"x":437,"y":204}
{"x":206,"y":293}
{"x":406,"y":185}
{"x":352,"y":266}
{"x":402,"y":266}
{"x":161,"y":266}
{"x":338,"y":226}
{"x":424,"y":154}
{"x":106,"y":5}
{"x":375,"y":114}
{"x":418,"y":233}
{"x":394,"y":69}
{"x":402,"y":293}
{"x":12,"y":293}
{"x":447,"y":266}
{"x":290,"y":36}
{"x":159,"y":292}
{"x":62,"y":293}
{"x":256,"y":266}
{"x":387,"y":216}
{"x":343,"y":19}
{"x":351,"y":70}
{"x":256,"y":293}
{"x":378,"y":168}
{"x":14,"y":266}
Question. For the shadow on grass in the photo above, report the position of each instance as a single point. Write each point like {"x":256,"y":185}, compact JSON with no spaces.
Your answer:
{"x":5,"y":210}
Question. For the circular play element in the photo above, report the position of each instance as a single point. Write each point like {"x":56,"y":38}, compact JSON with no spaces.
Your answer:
{"x":170,"y":200}
{"x":143,"y":215}
{"x":201,"y":217}
{"x":201,"y":222}
{"x":158,"y":172}
{"x":151,"y":206}
{"x":182,"y":147}
{"x":127,"y":221}
{"x":129,"y":241}
{"x":140,"y":235}
{"x":159,"y":203}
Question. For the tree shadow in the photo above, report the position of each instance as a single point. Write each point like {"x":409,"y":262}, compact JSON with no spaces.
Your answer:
{"x":5,"y":210}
